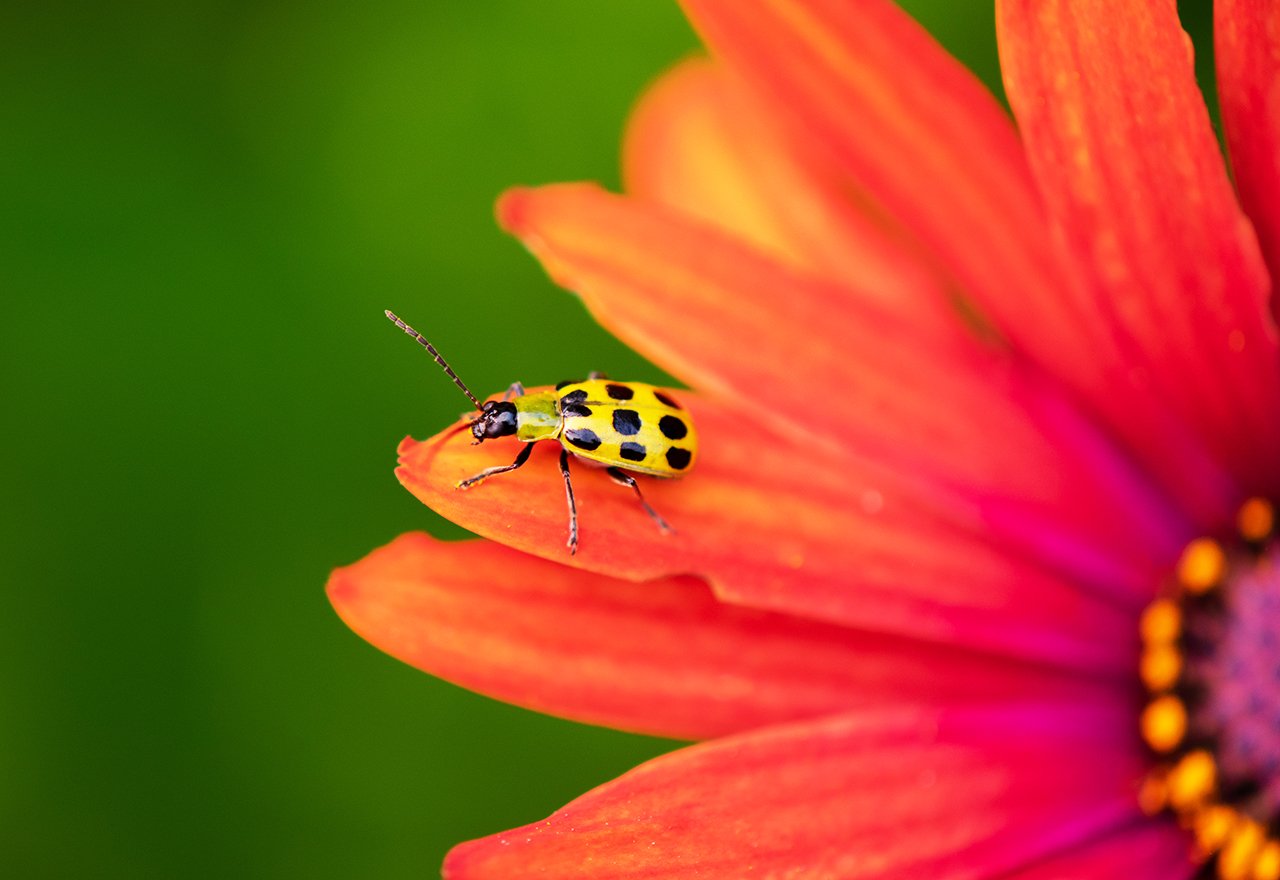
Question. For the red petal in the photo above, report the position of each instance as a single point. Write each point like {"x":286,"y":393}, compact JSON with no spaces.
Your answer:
{"x":774,"y":526}
{"x":1124,"y":152}
{"x":900,"y":794}
{"x":1149,"y":850}
{"x":700,"y":143}
{"x":837,"y":375}
{"x":1247,"y":37}
{"x":661,"y":657}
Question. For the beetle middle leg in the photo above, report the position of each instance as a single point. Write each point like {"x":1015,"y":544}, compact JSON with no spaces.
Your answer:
{"x":515,"y":389}
{"x":500,"y":469}
{"x":622,"y":478}
{"x":573,"y":507}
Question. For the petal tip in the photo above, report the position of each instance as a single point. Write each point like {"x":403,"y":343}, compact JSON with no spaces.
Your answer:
{"x":511,"y":210}
{"x":466,"y":860}
{"x":406,"y":447}
{"x":342,"y":591}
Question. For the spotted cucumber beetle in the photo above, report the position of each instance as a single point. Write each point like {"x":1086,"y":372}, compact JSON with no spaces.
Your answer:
{"x":619,"y":426}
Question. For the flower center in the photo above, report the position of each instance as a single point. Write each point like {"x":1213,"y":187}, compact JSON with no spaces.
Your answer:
{"x":1211,"y":665}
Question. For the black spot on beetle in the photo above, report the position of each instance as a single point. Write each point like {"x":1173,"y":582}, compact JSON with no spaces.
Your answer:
{"x":632,"y":451}
{"x":563,"y":384}
{"x":575,"y":409}
{"x":666,"y":401}
{"x":573,"y":397}
{"x":619,"y":392}
{"x":583,"y":438}
{"x":678,"y":458}
{"x":626,"y":422}
{"x":672,"y":428}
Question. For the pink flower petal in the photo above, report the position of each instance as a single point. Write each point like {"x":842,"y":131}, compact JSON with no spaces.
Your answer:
{"x":776,"y":526}
{"x":661,"y":657}
{"x":1146,"y":850}
{"x":912,"y":793}
{"x":1124,"y":152}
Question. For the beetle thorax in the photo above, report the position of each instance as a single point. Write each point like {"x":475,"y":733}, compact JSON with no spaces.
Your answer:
{"x":537,"y":417}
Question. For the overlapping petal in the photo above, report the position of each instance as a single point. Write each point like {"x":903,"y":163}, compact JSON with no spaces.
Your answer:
{"x":1247,"y":39}
{"x":907,"y":124}
{"x":777,"y":526}
{"x":1124,"y":152}
{"x":662,"y":657}
{"x":903,"y":793}
{"x":701,"y":143}
{"x":934,"y":150}
{"x":839,"y":376}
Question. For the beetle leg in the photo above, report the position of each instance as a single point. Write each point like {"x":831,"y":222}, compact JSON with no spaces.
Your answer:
{"x":622,"y":478}
{"x":594,"y":375}
{"x":515,"y":389}
{"x":501,"y":469}
{"x":573,"y":507}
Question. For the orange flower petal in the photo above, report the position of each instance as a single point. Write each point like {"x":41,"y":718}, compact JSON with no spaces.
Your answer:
{"x":893,"y":794}
{"x":904,"y":122}
{"x":661,"y":657}
{"x":1247,"y":39}
{"x":776,"y":526}
{"x":700,"y":143}
{"x":835,"y":374}
{"x":712,"y":310}
{"x":1147,"y":850}
{"x":1124,"y":152}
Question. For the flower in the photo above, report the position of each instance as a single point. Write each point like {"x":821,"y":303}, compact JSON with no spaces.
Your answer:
{"x":979,"y":407}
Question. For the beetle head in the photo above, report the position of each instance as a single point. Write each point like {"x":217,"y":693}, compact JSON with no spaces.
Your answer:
{"x":497,"y":419}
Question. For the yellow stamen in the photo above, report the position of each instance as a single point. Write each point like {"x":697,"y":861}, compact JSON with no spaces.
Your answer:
{"x":1212,"y":827}
{"x":1240,"y":851}
{"x":1161,"y":621}
{"x":1164,"y":723}
{"x":1192,"y":779}
{"x":1267,"y":865}
{"x":1202,"y":566}
{"x":1160,"y":666}
{"x":1256,"y":519}
{"x":1234,"y":845}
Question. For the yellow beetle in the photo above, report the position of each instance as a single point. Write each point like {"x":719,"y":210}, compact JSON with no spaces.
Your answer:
{"x":620,"y":426}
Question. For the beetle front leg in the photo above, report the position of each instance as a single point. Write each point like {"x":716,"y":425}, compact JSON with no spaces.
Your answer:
{"x":501,"y":469}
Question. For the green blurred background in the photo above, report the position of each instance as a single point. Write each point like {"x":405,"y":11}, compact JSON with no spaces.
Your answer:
{"x":206,"y":207}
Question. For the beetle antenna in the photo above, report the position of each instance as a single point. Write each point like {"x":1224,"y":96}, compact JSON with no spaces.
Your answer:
{"x":431,"y":350}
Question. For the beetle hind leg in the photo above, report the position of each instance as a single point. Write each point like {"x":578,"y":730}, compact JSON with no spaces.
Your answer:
{"x":622,"y":478}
